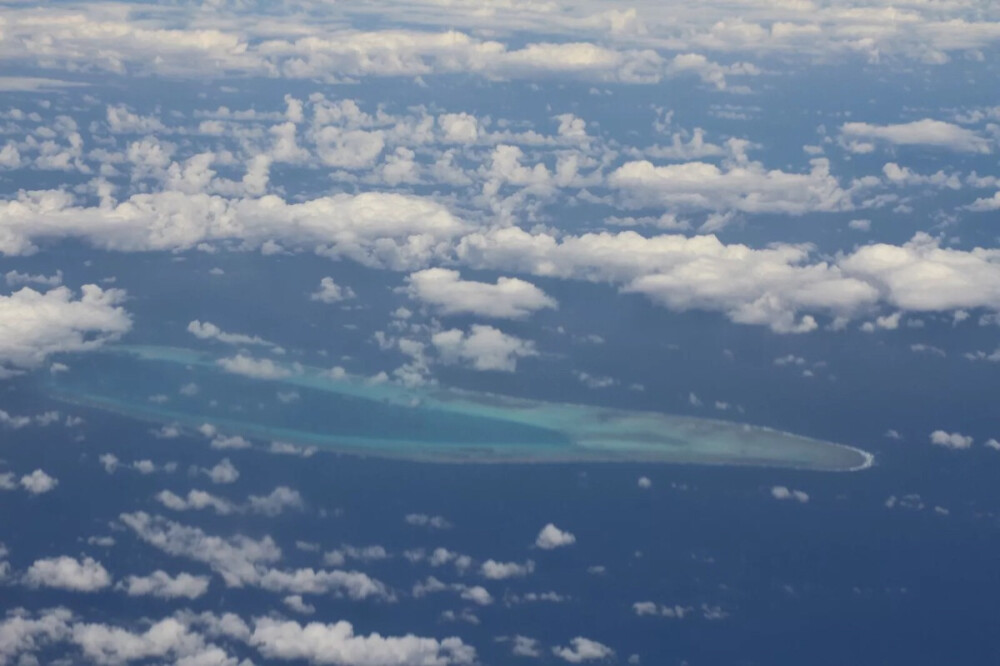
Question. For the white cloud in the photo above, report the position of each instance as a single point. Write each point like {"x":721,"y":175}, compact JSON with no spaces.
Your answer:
{"x":951,"y":440}
{"x":16,"y":279}
{"x":352,"y":584}
{"x":169,"y":639}
{"x":509,"y":298}
{"x":228,"y":442}
{"x":477,"y":594}
{"x":144,"y":466}
{"x":783,"y":493}
{"x":257,"y":368}
{"x":583,"y":649}
{"x":502,"y":570}
{"x":122,"y":120}
{"x":243,"y":561}
{"x":22,"y":634}
{"x":777,"y":286}
{"x":209,"y":331}
{"x":743,"y":186}
{"x":67,"y":573}
{"x":709,"y":72}
{"x":38,"y":482}
{"x":594,"y":382}
{"x":925,"y":132}
{"x":337,"y":643}
{"x":424,"y":520}
{"x":276,"y":502}
{"x":164,"y":586}
{"x":338,"y":557}
{"x":985,"y":204}
{"x":290,"y":449}
{"x":236,"y":559}
{"x":296,"y":604}
{"x":769,"y":286}
{"x":196,"y":500}
{"x":330,"y":292}
{"x":375,"y":229}
{"x":644,"y":482}
{"x":459,"y":127}
{"x":109,"y":461}
{"x":166,"y":432}
{"x":920,"y":275}
{"x":34,"y":325}
{"x":551,"y":537}
{"x":483,"y":348}
{"x":522,"y":646}
{"x":13,"y":422}
{"x":223,"y":472}
{"x":905,"y":177}
{"x":888,"y":322}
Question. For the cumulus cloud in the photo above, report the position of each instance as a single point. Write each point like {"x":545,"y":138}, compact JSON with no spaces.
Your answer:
{"x":448,"y":294}
{"x":951,"y":440}
{"x":256,"y":368}
{"x":169,"y":639}
{"x":476,"y":594}
{"x":746,"y":187}
{"x":377,"y":229}
{"x":209,"y":331}
{"x":985,"y":204}
{"x":339,"y":557}
{"x":331,"y":292}
{"x":783,"y":493}
{"x":226,"y":442}
{"x":164,"y":586}
{"x":583,"y":649}
{"x":291,"y":449}
{"x":482,"y":348}
{"x":920,"y":275}
{"x":14,"y":278}
{"x":35,"y":325}
{"x":236,"y":559}
{"x":223,"y":472}
{"x":67,"y":573}
{"x":551,"y":537}
{"x":925,"y":132}
{"x":424,"y":520}
{"x":523,"y":646}
{"x":196,"y":500}
{"x":13,"y":422}
{"x":769,"y":286}
{"x":337,"y":643}
{"x":243,"y":561}
{"x":778,"y":286}
{"x":459,"y":127}
{"x":276,"y":501}
{"x":501,"y":570}
{"x":296,"y":604}
{"x":23,"y":634}
{"x":38,"y":482}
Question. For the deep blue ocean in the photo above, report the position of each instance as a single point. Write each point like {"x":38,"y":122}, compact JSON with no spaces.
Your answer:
{"x":841,"y":579}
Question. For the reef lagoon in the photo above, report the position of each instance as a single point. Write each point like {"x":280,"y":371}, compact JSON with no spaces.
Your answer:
{"x":345,"y":413}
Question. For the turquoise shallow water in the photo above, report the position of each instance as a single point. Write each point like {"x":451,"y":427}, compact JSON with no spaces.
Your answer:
{"x":351,"y":414}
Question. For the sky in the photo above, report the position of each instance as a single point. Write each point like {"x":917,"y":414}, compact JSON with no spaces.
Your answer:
{"x":770,"y":213}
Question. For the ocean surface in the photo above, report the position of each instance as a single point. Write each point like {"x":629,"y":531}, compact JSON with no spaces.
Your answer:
{"x":840,"y":579}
